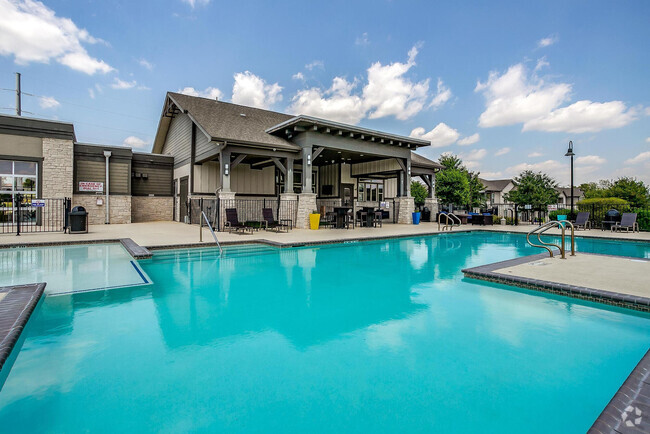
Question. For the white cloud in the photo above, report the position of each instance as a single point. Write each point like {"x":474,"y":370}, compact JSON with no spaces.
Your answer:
{"x":48,"y":102}
{"x":469,"y":140}
{"x":194,"y":3}
{"x":32,"y":32}
{"x":298,"y":76}
{"x":541,"y":63}
{"x":121,"y":84}
{"x":362,"y":40}
{"x":548,"y":166}
{"x":442,"y":135}
{"x":91,"y":93}
{"x":643,"y":156}
{"x":647,"y":140}
{"x":491,"y":175}
{"x":546,"y":42}
{"x":336,"y":103}
{"x":146,"y":64}
{"x":535,"y":154}
{"x":442,"y":96}
{"x":588,"y":160}
{"x":135,"y":142}
{"x":315,"y":64}
{"x":476,"y":154}
{"x":251,"y":90}
{"x":647,"y":111}
{"x":208,"y":92}
{"x":502,"y":151}
{"x":584,"y":117}
{"x":513,"y":98}
{"x":389,"y":93}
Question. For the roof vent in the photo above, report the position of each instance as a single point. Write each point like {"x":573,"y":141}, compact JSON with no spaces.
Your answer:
{"x":242,"y":115}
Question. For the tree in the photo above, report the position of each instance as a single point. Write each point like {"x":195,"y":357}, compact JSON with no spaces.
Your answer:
{"x":533,"y":188}
{"x":419,"y":192}
{"x":626,"y":188}
{"x":452,"y":186}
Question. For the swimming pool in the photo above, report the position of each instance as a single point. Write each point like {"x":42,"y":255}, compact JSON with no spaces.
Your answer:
{"x":380,"y":336}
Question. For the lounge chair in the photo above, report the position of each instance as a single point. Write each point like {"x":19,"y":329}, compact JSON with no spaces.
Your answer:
{"x":233,"y":223}
{"x":271,"y":224}
{"x":628,"y":221}
{"x":582,"y":221}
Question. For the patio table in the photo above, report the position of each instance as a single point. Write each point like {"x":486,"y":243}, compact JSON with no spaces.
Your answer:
{"x":341,"y":212}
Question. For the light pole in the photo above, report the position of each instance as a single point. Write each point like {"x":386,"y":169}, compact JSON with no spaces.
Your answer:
{"x":569,"y":153}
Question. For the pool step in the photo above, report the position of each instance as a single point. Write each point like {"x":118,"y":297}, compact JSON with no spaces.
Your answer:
{"x":208,"y":253}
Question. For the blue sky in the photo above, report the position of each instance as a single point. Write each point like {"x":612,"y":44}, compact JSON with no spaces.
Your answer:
{"x":504,"y":84}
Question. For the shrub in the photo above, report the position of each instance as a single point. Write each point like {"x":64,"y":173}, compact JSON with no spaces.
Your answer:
{"x":553,"y":214}
{"x":598,"y":201}
{"x":643,"y":218}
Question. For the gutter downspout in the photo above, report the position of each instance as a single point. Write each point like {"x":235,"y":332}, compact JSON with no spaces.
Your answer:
{"x":107,"y":154}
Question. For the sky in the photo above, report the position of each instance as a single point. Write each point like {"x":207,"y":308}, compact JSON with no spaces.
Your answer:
{"x":503,"y":84}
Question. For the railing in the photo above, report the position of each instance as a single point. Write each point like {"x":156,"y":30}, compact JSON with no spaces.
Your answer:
{"x":544,"y":245}
{"x":22,"y":215}
{"x":205,"y":217}
{"x":249,"y":211}
{"x":455,"y":221}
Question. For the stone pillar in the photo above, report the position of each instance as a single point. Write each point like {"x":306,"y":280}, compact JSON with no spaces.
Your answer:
{"x":58,"y":162}
{"x":306,"y":204}
{"x":406,"y":208}
{"x":226,"y":200}
{"x":432,"y":204}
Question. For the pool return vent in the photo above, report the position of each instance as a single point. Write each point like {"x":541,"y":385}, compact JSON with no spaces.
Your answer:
{"x":544,"y":245}
{"x":205,"y":217}
{"x":451,"y":220}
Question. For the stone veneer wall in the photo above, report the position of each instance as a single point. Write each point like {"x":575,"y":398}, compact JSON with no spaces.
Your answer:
{"x":120,"y":208}
{"x":151,"y":209}
{"x":406,"y":208}
{"x":58,"y":166}
{"x":306,"y":204}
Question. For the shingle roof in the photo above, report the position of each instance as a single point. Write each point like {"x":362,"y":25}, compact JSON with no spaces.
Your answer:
{"x":224,"y":121}
{"x":495,"y":184}
{"x":420,"y":161}
{"x":567,"y":191}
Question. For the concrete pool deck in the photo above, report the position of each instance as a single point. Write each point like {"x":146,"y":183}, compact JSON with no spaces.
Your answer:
{"x":159,"y":234}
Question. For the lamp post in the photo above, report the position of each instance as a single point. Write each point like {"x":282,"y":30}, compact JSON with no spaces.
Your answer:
{"x":569,"y":153}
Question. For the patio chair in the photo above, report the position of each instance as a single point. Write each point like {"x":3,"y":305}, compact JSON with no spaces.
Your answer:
{"x":270,"y":223}
{"x":628,"y":221}
{"x":233,"y":223}
{"x":377,"y":219}
{"x":328,"y":220}
{"x":582,"y":221}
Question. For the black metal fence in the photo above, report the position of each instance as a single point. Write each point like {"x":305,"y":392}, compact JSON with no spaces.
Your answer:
{"x":249,"y":211}
{"x":33,"y":215}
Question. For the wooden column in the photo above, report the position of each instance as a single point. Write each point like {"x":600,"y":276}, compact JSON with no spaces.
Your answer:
{"x":224,"y":169}
{"x":306,"y":169}
{"x":288,"y":176}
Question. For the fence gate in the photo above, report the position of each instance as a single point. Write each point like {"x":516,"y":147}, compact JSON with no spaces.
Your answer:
{"x":33,"y":215}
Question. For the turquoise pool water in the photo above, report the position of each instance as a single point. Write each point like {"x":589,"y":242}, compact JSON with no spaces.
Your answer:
{"x":382,"y":336}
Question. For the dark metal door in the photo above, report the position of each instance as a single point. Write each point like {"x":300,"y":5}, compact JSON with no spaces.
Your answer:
{"x":183,"y":198}
{"x":347,"y":194}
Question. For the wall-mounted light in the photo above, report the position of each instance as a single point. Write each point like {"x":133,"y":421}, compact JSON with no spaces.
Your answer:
{"x":408,"y":170}
{"x":226,"y":169}
{"x":308,"y":160}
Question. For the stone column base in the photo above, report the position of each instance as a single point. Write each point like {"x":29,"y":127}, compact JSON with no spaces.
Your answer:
{"x":226,"y":200}
{"x":306,"y":204}
{"x":432,"y":204}
{"x":406,"y":209}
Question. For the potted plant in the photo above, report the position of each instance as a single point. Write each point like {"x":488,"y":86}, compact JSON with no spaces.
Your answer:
{"x":314,"y":220}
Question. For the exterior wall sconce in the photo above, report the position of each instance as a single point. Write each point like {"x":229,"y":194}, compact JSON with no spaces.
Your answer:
{"x":308,"y":160}
{"x":226,"y":169}
{"x":408,"y":170}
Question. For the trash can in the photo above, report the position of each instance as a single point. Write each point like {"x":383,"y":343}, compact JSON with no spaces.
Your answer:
{"x":426,"y":214}
{"x":78,"y":220}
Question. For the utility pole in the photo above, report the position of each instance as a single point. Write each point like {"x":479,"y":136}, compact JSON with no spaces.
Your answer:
{"x":19,"y":110}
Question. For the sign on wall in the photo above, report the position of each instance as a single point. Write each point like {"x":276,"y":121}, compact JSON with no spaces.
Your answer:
{"x":91,"y":186}
{"x":38,"y":203}
{"x":552,"y":207}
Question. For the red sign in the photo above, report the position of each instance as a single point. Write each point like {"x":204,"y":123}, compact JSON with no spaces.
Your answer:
{"x":91,"y":186}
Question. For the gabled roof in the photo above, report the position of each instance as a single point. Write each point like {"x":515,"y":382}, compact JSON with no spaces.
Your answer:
{"x":223,"y":121}
{"x":303,"y":122}
{"x":495,"y":184}
{"x":418,"y":160}
{"x":566,"y":191}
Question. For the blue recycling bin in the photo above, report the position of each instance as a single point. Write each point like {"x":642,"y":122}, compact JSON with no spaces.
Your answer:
{"x":416,"y":218}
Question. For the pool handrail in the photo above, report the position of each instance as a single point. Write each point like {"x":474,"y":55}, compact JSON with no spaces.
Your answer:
{"x":544,"y":245}
{"x":447,"y":215}
{"x":205,"y":217}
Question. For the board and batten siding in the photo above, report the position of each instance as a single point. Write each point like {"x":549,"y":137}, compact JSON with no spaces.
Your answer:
{"x":151,"y":178}
{"x":379,"y":166}
{"x":178,"y":142}
{"x":95,"y":171}
{"x":329,"y":175}
{"x":390,"y":188}
{"x":243,"y":179}
{"x":206,"y":177}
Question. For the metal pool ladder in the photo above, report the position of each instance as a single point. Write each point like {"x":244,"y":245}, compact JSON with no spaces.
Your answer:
{"x":544,"y":245}
{"x":455,"y":221}
{"x":205,"y":217}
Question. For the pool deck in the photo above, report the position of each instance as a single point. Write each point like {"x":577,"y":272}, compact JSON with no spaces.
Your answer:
{"x":170,"y":234}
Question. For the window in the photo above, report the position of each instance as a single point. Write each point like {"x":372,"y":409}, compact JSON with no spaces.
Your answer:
{"x":16,"y":177}
{"x":370,"y":190}
{"x":297,"y":181}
